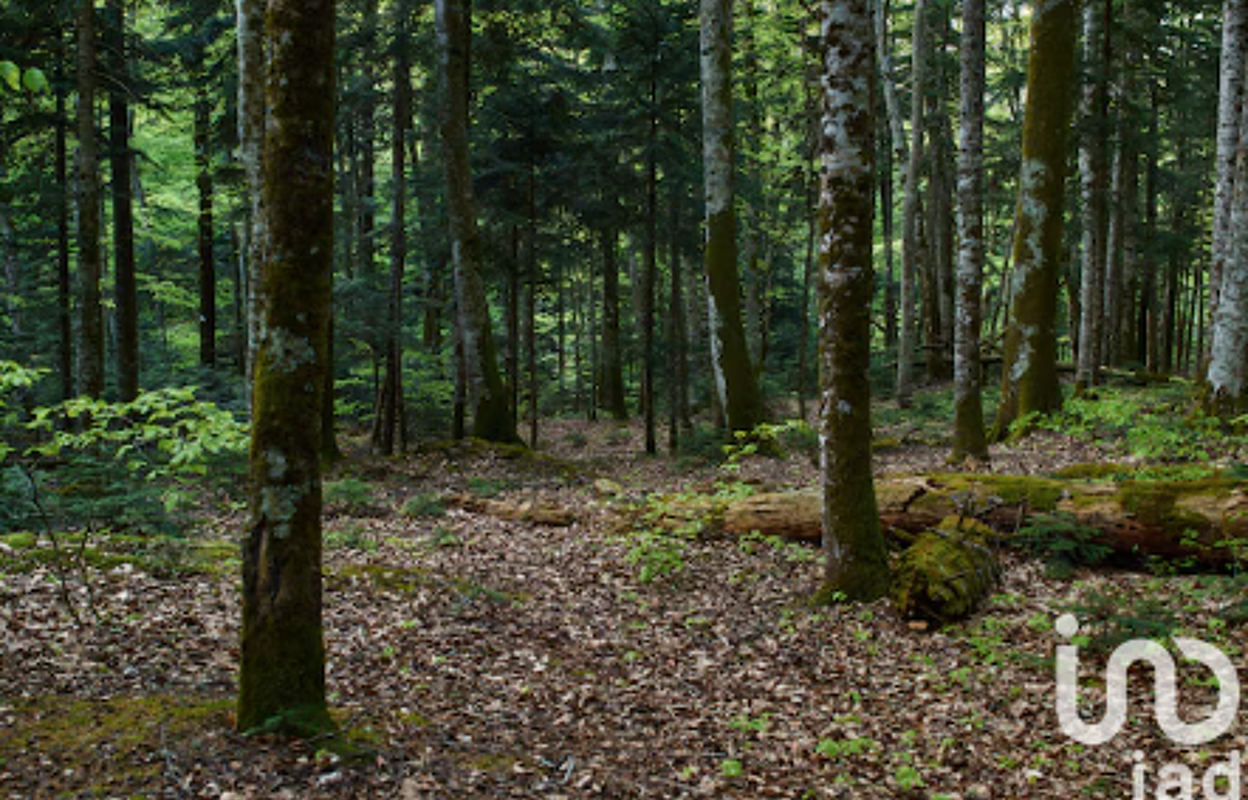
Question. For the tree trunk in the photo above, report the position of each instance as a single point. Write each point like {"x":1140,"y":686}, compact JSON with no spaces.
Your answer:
{"x":492,"y":418}
{"x":968,"y":435}
{"x":123,"y":212}
{"x":735,"y":379}
{"x":64,"y":312}
{"x":895,"y":152}
{"x":938,"y":311}
{"x":649,"y":273}
{"x":282,"y":655}
{"x":911,"y":210}
{"x":1029,"y":369}
{"x":252,"y":69}
{"x":856,"y":565}
{"x":90,"y":262}
{"x":392,"y":391}
{"x":1092,"y":147}
{"x":207,"y":260}
{"x":1230,"y":98}
{"x":1228,"y":355}
{"x":612,"y":380}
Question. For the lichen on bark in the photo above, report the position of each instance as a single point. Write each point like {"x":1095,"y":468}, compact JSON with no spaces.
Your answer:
{"x":856,"y":566}
{"x":282,"y":652}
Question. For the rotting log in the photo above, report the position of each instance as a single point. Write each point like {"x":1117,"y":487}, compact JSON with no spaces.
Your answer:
{"x":945,"y":575}
{"x":1204,"y":521}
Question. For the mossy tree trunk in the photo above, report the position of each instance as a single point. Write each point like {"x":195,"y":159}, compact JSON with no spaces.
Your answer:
{"x":856,"y":563}
{"x":735,"y":380}
{"x":282,"y":659}
{"x":90,"y":262}
{"x":486,"y":395}
{"x":968,"y":429}
{"x":1030,"y":382}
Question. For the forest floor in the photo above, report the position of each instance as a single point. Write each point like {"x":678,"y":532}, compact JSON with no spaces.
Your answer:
{"x":472,"y":656}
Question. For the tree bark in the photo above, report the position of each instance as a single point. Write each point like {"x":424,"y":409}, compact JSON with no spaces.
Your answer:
{"x":649,"y":273}
{"x":968,"y":436}
{"x":856,"y":565}
{"x":123,"y":212}
{"x":64,"y":312}
{"x":1230,"y":98}
{"x":207,"y":259}
{"x":611,"y":382}
{"x":282,"y":656}
{"x":252,"y":71}
{"x":1029,"y":370}
{"x":90,"y":262}
{"x":895,"y":153}
{"x":735,"y":380}
{"x":1092,"y":168}
{"x":911,"y":211}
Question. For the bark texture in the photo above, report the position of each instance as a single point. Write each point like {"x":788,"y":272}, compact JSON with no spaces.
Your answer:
{"x":856,"y":563}
{"x":968,"y":430}
{"x":123,"y":212}
{"x":252,"y":68}
{"x":1230,"y":98}
{"x":1029,"y":381}
{"x":282,"y":657}
{"x":486,"y":395}
{"x":611,"y":381}
{"x":1092,"y":170}
{"x":735,"y":381}
{"x":90,"y":260}
{"x":907,"y":343}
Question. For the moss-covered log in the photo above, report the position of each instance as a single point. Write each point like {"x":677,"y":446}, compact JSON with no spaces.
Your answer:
{"x":1199,"y":520}
{"x":945,"y":575}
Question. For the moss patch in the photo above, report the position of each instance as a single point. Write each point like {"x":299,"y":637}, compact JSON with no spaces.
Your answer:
{"x":106,"y":747}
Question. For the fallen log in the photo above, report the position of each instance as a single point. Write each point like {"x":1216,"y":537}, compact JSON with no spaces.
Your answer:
{"x":1202,"y":522}
{"x":945,"y":575}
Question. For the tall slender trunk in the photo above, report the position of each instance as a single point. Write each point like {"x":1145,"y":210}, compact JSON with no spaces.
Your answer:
{"x":127,"y":301}
{"x":207,"y":259}
{"x":1092,"y":168}
{"x":252,"y":71}
{"x":491,"y":413}
{"x":530,"y":317}
{"x":650,"y":245}
{"x":968,"y":437}
{"x":64,"y":313}
{"x":894,"y":153}
{"x":612,"y":380}
{"x":1029,"y":367}
{"x":856,"y":562}
{"x":910,"y":255}
{"x":735,"y":379}
{"x":90,"y":262}
{"x":1230,"y":98}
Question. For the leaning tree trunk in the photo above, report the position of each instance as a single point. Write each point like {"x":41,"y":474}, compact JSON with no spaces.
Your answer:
{"x":856,"y":564}
{"x":1092,"y":170}
{"x":1029,"y":369}
{"x":90,"y":262}
{"x":1230,"y":96}
{"x":123,"y":213}
{"x":735,"y":380}
{"x":282,"y":655}
{"x":911,"y":209}
{"x":492,"y":418}
{"x":968,"y":433}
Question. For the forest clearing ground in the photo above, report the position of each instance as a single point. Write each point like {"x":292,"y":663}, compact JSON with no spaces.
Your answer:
{"x":472,"y":656}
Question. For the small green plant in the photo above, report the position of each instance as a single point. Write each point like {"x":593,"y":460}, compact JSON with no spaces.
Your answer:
{"x":351,"y":494}
{"x":1107,"y":622}
{"x":908,"y":778}
{"x":837,"y":749}
{"x":424,"y":504}
{"x":655,"y":554}
{"x":1063,"y":543}
{"x":747,"y":724}
{"x":488,"y":487}
{"x":731,"y":768}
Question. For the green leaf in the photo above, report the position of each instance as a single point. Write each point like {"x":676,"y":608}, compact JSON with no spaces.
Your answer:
{"x":11,"y":75}
{"x":35,"y":81}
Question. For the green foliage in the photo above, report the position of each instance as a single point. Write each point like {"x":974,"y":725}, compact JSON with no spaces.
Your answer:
{"x":141,"y":464}
{"x":489,"y":487}
{"x":838,"y":749}
{"x":655,"y":554}
{"x":424,"y":504}
{"x":1063,"y":543}
{"x":1107,"y":621}
{"x":32,"y":79}
{"x":349,"y":495}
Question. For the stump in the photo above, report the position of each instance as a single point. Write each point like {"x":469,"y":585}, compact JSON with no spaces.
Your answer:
{"x":945,"y":575}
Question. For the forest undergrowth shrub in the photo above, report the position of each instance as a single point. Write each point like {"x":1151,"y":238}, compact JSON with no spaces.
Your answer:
{"x":1062,"y":543}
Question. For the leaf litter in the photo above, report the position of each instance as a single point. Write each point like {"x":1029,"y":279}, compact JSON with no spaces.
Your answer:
{"x":475,"y":656}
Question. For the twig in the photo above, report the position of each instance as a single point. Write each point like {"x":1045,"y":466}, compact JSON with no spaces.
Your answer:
{"x":57,"y":564}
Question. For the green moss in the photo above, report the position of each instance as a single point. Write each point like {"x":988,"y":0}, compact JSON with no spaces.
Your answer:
{"x":1039,"y":494}
{"x":1160,"y":503}
{"x":384,"y":578}
{"x":74,"y":734}
{"x":493,"y":763}
{"x":943,"y":576}
{"x":1090,"y":472}
{"x":20,"y":540}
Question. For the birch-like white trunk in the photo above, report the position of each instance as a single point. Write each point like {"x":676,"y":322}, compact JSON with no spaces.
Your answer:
{"x":1228,"y":356}
{"x":969,"y":439}
{"x":1230,"y":97}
